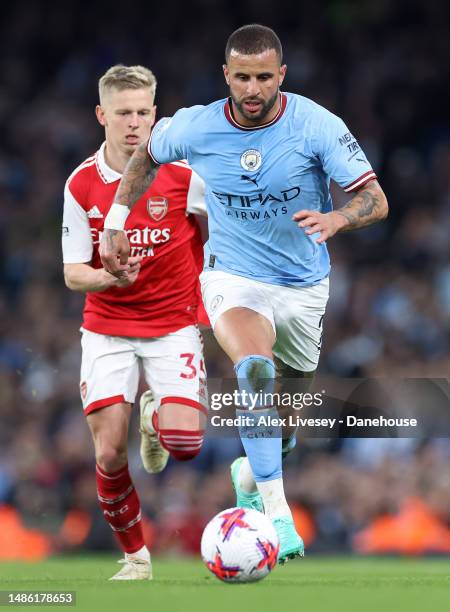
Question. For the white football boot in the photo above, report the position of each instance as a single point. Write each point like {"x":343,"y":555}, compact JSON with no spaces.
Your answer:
{"x":154,"y":456}
{"x":134,"y":568}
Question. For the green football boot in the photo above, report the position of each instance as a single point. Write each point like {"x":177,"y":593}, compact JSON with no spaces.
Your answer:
{"x":291,"y":544}
{"x":244,"y":500}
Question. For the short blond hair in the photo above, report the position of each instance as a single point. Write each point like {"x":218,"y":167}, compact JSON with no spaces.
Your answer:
{"x":120,"y":77}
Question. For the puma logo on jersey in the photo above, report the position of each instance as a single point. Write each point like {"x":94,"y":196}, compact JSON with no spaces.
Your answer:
{"x":94,"y":213}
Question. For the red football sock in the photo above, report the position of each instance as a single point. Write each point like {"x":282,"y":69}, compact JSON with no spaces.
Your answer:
{"x":181,"y":444}
{"x":121,"y":508}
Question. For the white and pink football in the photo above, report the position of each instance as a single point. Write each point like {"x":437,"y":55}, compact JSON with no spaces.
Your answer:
{"x":240,"y":545}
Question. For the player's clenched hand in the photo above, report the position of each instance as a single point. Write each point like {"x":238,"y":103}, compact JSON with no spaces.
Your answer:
{"x":133,"y":267}
{"x":114,"y":250}
{"x":313,"y":222}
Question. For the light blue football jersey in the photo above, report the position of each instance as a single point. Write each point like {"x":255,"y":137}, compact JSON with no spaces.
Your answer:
{"x":257,"y":178}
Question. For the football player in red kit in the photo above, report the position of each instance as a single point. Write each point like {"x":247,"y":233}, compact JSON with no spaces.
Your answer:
{"x":149,"y":316}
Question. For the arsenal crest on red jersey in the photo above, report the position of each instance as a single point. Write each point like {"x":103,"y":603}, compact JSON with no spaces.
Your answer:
{"x":157,"y":207}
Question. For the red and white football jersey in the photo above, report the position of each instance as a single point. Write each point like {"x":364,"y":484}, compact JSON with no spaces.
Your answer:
{"x":162,"y":227}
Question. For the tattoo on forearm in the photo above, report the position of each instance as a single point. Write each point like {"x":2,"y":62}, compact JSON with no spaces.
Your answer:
{"x":137,"y":178}
{"x":367,"y":207}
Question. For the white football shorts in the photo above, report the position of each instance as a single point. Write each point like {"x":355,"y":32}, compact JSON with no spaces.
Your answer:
{"x":296,"y":313}
{"x":173,"y":368}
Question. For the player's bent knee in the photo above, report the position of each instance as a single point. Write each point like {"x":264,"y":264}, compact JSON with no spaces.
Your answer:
{"x":183,"y":414}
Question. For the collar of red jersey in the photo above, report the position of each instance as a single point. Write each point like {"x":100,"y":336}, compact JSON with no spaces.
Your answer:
{"x":107,"y":174}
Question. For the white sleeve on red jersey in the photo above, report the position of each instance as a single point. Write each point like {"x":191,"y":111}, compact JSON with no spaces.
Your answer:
{"x":196,"y":195}
{"x":76,"y":232}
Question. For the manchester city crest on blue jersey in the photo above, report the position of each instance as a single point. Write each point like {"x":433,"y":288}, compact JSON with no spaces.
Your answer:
{"x":251,"y":160}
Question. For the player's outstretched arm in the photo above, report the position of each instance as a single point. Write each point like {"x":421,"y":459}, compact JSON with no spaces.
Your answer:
{"x":368,"y":206}
{"x":137,"y":178}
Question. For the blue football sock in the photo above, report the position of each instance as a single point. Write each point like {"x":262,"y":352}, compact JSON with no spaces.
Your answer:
{"x":260,"y":437}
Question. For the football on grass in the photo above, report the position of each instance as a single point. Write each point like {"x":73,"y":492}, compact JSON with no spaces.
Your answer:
{"x":240,"y":545}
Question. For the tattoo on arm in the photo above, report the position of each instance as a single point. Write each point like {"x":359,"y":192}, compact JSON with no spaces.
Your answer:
{"x":366,"y":207}
{"x":137,"y":178}
{"x":109,"y":234}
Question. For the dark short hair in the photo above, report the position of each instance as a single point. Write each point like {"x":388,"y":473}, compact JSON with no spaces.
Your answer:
{"x":253,"y":39}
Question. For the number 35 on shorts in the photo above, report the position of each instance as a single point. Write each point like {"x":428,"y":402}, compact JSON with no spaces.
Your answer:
{"x":192,"y":366}
{"x":192,"y":373}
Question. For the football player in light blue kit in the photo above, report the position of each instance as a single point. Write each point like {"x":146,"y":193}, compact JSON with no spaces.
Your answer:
{"x":267,"y":158}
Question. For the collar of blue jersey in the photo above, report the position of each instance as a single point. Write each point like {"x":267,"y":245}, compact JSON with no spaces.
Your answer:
{"x":107,"y":174}
{"x":227,"y":109}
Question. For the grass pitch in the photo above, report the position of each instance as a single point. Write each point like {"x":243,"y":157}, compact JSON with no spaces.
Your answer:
{"x":315,"y":584}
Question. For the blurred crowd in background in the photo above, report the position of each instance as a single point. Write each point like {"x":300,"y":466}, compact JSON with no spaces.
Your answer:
{"x":383,"y":67}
